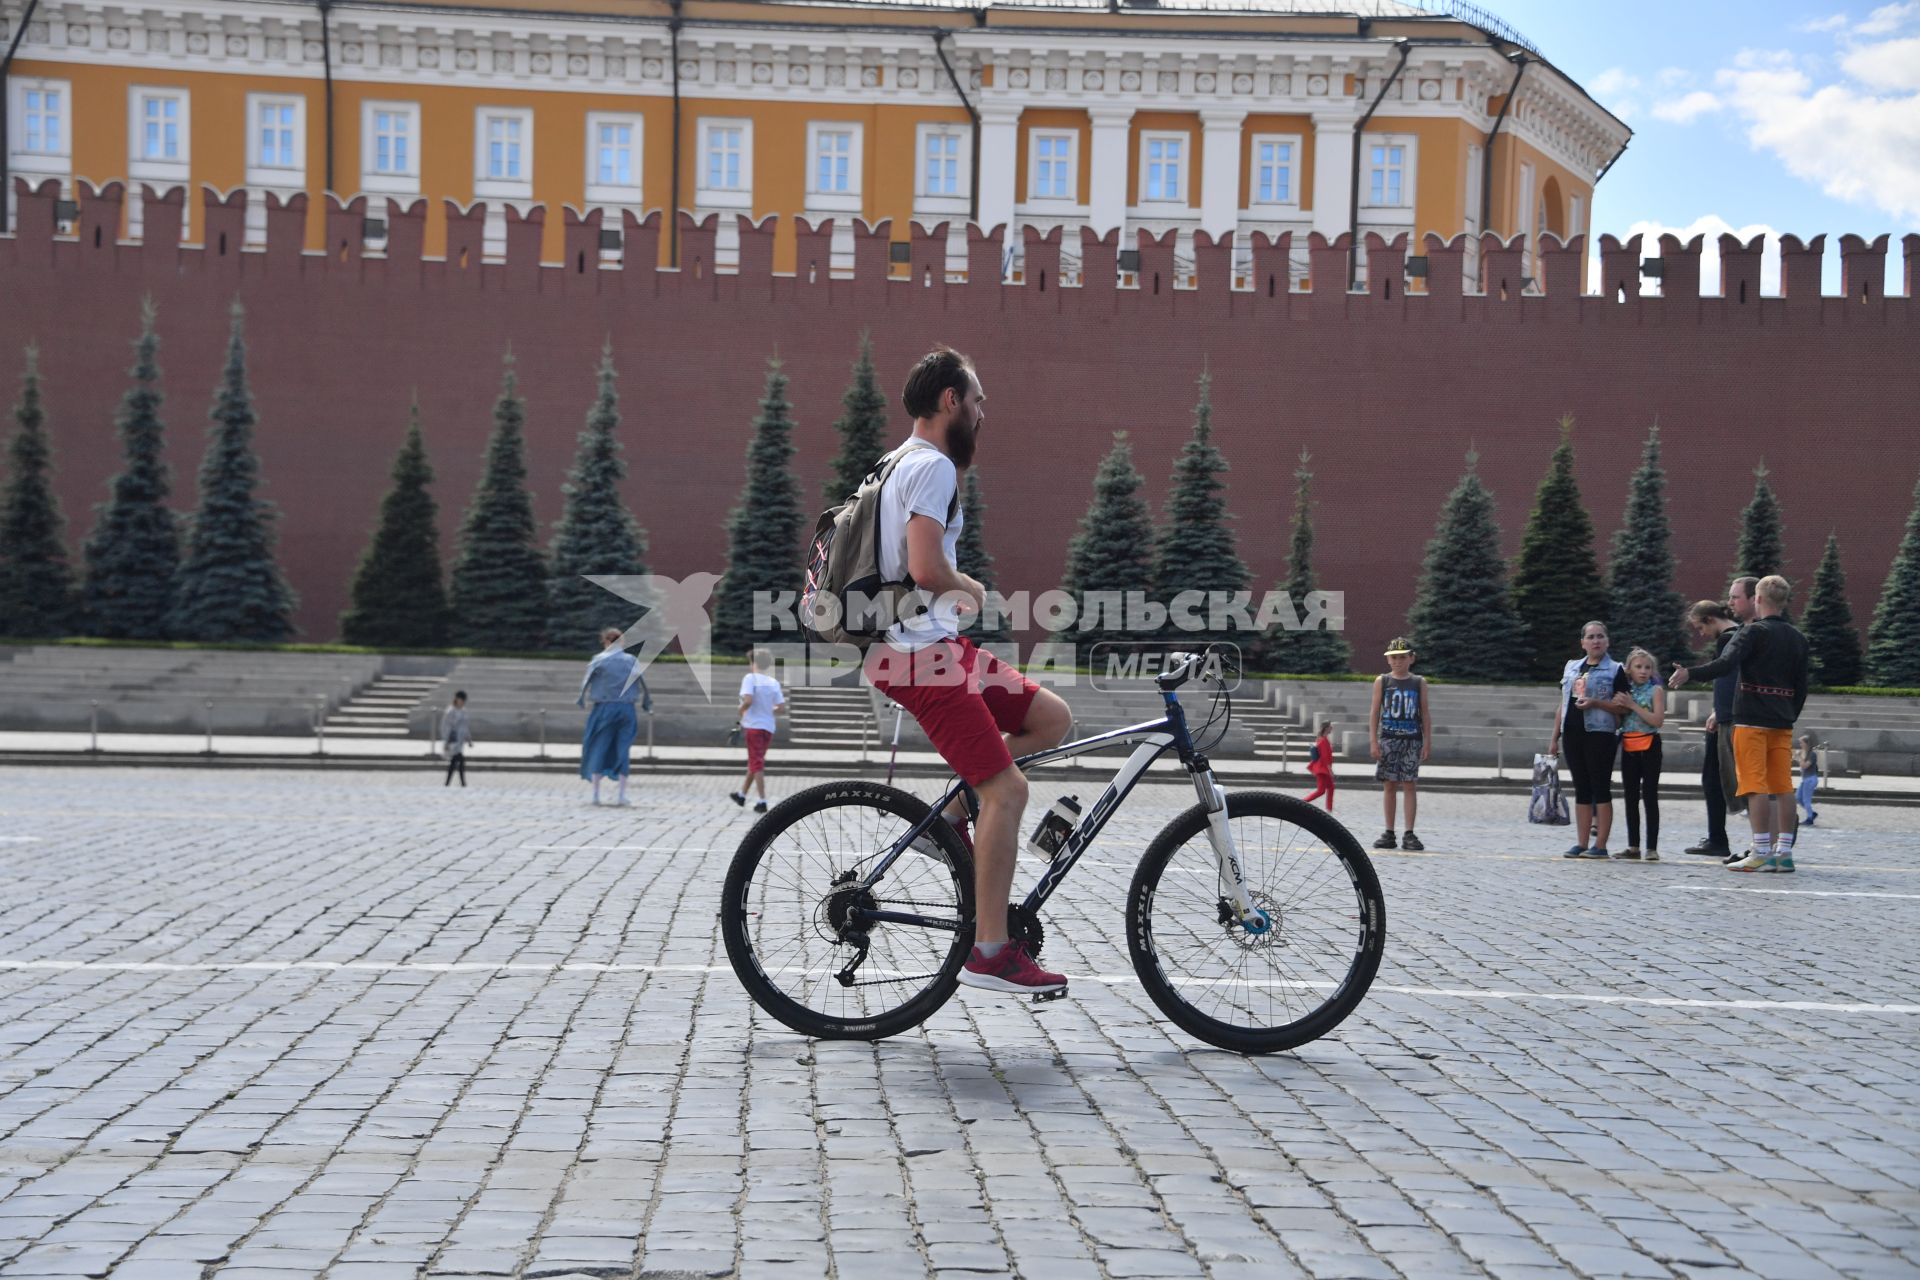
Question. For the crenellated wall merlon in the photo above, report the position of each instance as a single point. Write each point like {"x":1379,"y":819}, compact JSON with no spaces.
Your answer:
{"x":1516,"y":285}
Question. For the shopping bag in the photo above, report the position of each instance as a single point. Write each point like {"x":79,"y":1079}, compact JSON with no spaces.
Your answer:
{"x":1547,"y":805}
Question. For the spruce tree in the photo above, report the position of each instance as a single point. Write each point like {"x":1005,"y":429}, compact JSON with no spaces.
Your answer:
{"x":1762,"y":548}
{"x":500,"y":577}
{"x":133,"y":554}
{"x":1462,"y":620}
{"x":763,"y":532}
{"x":398,"y":598}
{"x":230,"y":588}
{"x":1832,"y":642}
{"x":1318,"y":651}
{"x":1557,"y":587}
{"x":1196,"y":549}
{"x":862,"y":428}
{"x":974,"y":559}
{"x":36,"y":583}
{"x":1646,"y":609}
{"x":596,"y":534}
{"x":1113,"y":552}
{"x":1893,"y":641}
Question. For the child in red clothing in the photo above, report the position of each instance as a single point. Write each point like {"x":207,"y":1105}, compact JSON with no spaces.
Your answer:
{"x":1320,"y":764}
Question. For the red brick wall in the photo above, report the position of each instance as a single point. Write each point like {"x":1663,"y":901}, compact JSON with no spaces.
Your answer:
{"x":1387,"y":392}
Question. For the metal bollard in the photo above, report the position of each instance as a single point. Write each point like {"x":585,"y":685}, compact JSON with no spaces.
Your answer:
{"x":93,"y":729}
{"x":543,"y":733}
{"x":1500,"y":749}
{"x":320,"y":727}
{"x":649,"y":735}
{"x":866,"y":722}
{"x":209,"y":726}
{"x":1286,"y":749}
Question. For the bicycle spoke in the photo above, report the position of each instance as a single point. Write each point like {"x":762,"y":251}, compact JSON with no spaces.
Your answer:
{"x":1251,"y":982}
{"x":801,"y":895}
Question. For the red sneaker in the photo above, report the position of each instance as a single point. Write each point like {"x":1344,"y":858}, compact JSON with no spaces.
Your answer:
{"x":1011,"y":970}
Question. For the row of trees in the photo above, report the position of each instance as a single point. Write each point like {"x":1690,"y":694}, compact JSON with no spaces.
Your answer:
{"x":1471,"y":618}
{"x":147,"y":572}
{"x":150,"y":575}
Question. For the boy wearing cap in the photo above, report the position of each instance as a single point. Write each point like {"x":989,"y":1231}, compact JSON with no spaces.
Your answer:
{"x":1400,"y":736}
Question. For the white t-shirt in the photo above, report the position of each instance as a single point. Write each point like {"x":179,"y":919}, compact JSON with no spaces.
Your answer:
{"x":766,"y":695}
{"x":924,"y":484}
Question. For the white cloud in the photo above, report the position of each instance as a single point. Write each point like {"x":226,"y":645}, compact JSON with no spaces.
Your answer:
{"x":1889,"y":18}
{"x":1619,"y":89}
{"x":1674,"y":77}
{"x":1857,"y":137}
{"x":1686,"y":109}
{"x":1833,"y":22}
{"x":1891,"y":64}
{"x":1712,"y":226}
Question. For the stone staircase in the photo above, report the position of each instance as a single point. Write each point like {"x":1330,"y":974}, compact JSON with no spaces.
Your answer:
{"x":380,"y":709}
{"x":1277,"y":733}
{"x":832,"y":717}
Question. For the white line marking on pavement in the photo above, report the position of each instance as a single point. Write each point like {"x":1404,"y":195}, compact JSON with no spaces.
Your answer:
{"x":1801,"y":893}
{"x":1105,"y":979}
{"x":19,"y":839}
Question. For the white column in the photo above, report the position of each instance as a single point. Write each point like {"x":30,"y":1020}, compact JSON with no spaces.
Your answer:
{"x":1220,"y":172}
{"x":999,"y":152}
{"x":1107,"y":200}
{"x":1333,"y":171}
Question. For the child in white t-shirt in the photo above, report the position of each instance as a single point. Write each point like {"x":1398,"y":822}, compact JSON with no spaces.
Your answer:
{"x":761,"y":700}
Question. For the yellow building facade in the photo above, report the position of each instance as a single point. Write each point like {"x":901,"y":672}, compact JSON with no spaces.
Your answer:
{"x":1243,"y":116}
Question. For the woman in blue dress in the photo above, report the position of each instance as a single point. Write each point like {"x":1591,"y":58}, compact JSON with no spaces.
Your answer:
{"x":612,"y":685}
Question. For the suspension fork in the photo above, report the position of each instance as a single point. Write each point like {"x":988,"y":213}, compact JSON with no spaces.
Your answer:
{"x":1233,"y":878}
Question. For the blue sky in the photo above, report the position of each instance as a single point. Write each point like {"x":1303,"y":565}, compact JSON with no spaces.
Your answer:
{"x":1800,"y":118}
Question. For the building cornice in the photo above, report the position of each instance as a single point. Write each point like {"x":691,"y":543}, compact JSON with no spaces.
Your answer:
{"x":829,"y":65}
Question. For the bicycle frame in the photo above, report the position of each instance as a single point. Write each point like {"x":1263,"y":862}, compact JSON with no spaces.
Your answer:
{"x":1155,"y":739}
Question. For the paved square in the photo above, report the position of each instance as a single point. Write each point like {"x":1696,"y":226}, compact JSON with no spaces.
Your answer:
{"x":277,"y":1023}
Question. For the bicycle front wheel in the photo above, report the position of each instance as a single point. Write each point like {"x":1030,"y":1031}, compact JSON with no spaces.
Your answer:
{"x":1257,"y":993}
{"x":795,"y":901}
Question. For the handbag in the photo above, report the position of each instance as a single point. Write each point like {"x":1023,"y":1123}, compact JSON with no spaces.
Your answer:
{"x":1547,"y":806}
{"x":1636,"y":741}
{"x":733,"y":736}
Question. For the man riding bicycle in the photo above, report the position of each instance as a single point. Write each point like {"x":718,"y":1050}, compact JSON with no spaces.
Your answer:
{"x":976,"y":710}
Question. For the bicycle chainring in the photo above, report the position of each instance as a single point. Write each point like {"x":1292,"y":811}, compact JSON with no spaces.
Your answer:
{"x":1023,"y":925}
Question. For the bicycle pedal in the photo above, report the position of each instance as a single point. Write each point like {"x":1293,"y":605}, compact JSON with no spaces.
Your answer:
{"x":1041,"y":997}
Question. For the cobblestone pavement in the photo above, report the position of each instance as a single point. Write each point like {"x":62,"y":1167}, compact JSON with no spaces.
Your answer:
{"x":276,"y":1024}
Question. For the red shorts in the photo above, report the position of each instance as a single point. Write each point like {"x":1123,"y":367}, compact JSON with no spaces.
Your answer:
{"x":757,"y":740}
{"x":963,"y":697}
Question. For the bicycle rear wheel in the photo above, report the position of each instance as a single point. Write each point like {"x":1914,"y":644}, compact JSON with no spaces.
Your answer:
{"x":794,"y":882}
{"x":1257,"y":993}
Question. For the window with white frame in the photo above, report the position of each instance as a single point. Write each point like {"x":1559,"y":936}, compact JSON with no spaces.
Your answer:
{"x":40,"y":111}
{"x":159,"y":148}
{"x":943,"y":162}
{"x":1576,"y":216}
{"x":1471,"y":220}
{"x":502,"y":169}
{"x":833,"y":166}
{"x":1275,"y":179}
{"x":390,"y":148}
{"x":40,"y":141}
{"x":1163,"y":168}
{"x":1055,"y":166}
{"x":1389,"y":172}
{"x":275,"y":136}
{"x":160,"y":118}
{"x":503,"y":151}
{"x":725,"y":164}
{"x":613,"y":158}
{"x":276,"y":155}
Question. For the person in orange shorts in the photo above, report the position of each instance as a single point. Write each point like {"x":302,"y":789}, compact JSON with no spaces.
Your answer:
{"x":1770,"y":654}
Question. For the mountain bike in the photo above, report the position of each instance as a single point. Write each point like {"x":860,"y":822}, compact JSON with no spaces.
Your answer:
{"x":1254,"y":921}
